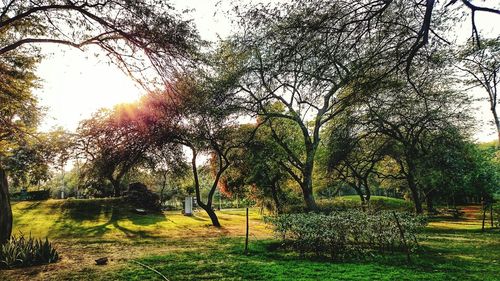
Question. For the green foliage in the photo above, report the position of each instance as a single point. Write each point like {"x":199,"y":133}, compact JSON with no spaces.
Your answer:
{"x":453,"y":168}
{"x":22,"y":252}
{"x":348,"y":233}
{"x":31,"y":195}
{"x":261,"y":165}
{"x":377,"y":203}
{"x":140,"y":196}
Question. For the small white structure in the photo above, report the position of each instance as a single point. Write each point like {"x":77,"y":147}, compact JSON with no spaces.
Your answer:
{"x":188,"y":206}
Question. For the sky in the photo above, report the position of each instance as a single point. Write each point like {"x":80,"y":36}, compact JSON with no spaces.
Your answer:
{"x":74,"y":84}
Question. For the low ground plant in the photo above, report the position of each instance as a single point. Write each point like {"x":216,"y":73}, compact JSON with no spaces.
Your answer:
{"x":24,"y":251}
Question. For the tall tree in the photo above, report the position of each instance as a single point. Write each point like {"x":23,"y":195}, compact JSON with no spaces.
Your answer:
{"x":431,"y":27}
{"x":309,"y":61}
{"x":453,"y":170}
{"x":211,"y":115}
{"x":354,"y":153}
{"x":198,"y":112}
{"x":112,"y":142}
{"x":165,"y":163}
{"x":30,"y":162}
{"x":408,"y":117}
{"x":19,"y":115}
{"x":259,"y":167}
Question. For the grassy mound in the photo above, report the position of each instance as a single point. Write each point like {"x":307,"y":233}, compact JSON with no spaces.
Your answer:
{"x":382,"y":202}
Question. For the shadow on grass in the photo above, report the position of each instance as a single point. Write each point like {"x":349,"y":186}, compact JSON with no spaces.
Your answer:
{"x":80,"y":222}
{"x":194,"y":217}
{"x":31,"y":206}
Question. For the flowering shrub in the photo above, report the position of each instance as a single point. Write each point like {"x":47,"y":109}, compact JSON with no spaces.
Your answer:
{"x":348,"y":233}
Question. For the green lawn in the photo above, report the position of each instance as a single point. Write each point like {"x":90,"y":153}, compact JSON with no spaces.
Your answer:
{"x":187,"y":248}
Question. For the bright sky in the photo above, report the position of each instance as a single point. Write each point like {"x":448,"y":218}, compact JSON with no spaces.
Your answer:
{"x":75,"y":84}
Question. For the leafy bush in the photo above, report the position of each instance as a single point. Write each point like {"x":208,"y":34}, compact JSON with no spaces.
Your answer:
{"x":31,"y":195}
{"x":348,"y":233}
{"x":139,"y":196}
{"x":23,"y":252}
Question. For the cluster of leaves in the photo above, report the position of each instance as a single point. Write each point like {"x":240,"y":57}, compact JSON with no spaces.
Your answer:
{"x":343,"y":234}
{"x":140,"y":196}
{"x":34,"y":195}
{"x":22,"y":252}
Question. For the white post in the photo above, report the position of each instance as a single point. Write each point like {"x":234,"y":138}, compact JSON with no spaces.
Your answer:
{"x":188,"y":206}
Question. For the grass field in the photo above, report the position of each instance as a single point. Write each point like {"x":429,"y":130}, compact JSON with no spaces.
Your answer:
{"x":187,"y":248}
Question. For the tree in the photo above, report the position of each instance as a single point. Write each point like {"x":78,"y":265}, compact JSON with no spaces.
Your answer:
{"x":408,"y":117}
{"x":429,"y":15}
{"x":483,"y":66}
{"x":198,"y":112}
{"x":260,"y":166}
{"x":354,"y":154}
{"x":135,"y":34}
{"x":453,"y":170}
{"x":19,"y":115}
{"x":166,"y":163}
{"x":32,"y":161}
{"x":310,"y":61}
{"x":113,"y":143}
{"x":211,"y":128}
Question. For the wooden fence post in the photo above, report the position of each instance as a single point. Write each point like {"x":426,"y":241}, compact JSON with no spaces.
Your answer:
{"x":246,"y":237}
{"x":401,"y":232}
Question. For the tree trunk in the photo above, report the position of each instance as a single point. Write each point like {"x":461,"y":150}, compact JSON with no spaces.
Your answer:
{"x":116,"y":187}
{"x":491,"y":215}
{"x":497,"y":123}
{"x":211,"y":214}
{"x":206,"y":207}
{"x":429,"y":202}
{"x":359,"y":191}
{"x":274,"y":194}
{"x":367,"y":190}
{"x":163,"y":186}
{"x":412,"y":185}
{"x":484,"y":216}
{"x":246,"y":235}
{"x":309,"y":199}
{"x":5,"y":208}
{"x":414,"y":194}
{"x":307,"y":185}
{"x":307,"y":188}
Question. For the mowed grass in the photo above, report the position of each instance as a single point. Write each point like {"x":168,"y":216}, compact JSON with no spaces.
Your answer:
{"x":108,"y":219}
{"x":187,"y":248}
